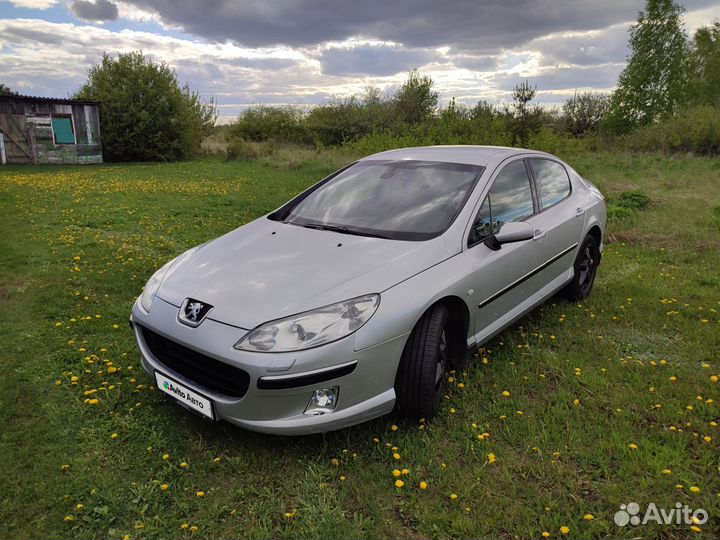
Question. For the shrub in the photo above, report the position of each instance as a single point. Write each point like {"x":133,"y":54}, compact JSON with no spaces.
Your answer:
{"x":624,"y":206}
{"x":695,"y":130}
{"x":240,"y":149}
{"x":264,"y":122}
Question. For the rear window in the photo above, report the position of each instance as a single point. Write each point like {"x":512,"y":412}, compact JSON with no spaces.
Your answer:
{"x":552,"y":181}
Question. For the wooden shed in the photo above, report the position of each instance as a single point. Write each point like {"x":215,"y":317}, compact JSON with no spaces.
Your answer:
{"x":49,"y":130}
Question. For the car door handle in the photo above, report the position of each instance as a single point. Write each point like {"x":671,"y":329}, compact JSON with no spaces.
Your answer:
{"x":539,"y":235}
{"x":579,"y":212}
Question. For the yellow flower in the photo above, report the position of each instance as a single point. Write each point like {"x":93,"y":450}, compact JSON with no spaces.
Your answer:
{"x":423,"y":485}
{"x":114,"y":436}
{"x":399,"y":483}
{"x":576,"y":402}
{"x":93,"y":401}
{"x":666,"y":471}
{"x":216,"y":460}
{"x":588,"y":517}
{"x":545,"y":534}
{"x":342,"y":478}
{"x":200,"y":493}
{"x":564,"y":530}
{"x":673,"y":378}
{"x":461,"y":385}
{"x":396,"y":473}
{"x":694,"y":489}
{"x":184,"y":526}
{"x":79,"y":506}
{"x":396,"y":455}
{"x":166,"y":457}
{"x":69,"y":518}
{"x":452,"y":410}
{"x":164,"y":487}
{"x":194,"y":529}
{"x":695,"y":528}
{"x":394,"y":427}
{"x":491,"y":458}
{"x":290,"y":515}
{"x":453,"y":496}
{"x":65,"y":467}
{"x":713,"y":378}
{"x":112,"y":369}
{"x":506,"y":393}
{"x":707,"y":438}
{"x":406,"y":471}
{"x":633,"y":446}
{"x":183,"y":465}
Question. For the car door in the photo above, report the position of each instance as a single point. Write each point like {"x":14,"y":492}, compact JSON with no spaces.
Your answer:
{"x":559,"y":223}
{"x":497,"y":277}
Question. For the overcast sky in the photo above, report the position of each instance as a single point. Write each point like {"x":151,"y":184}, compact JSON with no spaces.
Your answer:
{"x":246,"y":52}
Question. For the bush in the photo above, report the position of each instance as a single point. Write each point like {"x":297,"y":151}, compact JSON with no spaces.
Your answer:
{"x":146,"y":114}
{"x":264,"y":122}
{"x":695,"y":130}
{"x":624,"y":206}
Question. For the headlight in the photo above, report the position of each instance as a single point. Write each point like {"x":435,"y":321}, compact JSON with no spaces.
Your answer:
{"x":153,"y":284}
{"x":311,"y":328}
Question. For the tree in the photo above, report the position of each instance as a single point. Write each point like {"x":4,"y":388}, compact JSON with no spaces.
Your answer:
{"x":583,"y":113}
{"x":655,"y":82}
{"x":706,"y":84}
{"x":523,"y":124}
{"x":416,"y":100}
{"x":6,"y":91}
{"x":146,"y":115}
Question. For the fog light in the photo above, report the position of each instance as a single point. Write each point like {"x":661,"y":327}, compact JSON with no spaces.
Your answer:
{"x":323,"y":400}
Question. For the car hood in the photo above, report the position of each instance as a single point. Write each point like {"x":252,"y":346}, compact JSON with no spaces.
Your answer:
{"x":267,"y":270}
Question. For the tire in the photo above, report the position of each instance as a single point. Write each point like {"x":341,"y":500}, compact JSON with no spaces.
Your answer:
{"x":586,"y":263}
{"x":420,"y":379}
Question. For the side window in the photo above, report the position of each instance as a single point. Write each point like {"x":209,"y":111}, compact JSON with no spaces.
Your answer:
{"x":552,"y":181}
{"x":482,"y":225}
{"x":510,"y":199}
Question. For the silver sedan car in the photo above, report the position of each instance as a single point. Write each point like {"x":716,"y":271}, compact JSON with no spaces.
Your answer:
{"x":355,"y":297}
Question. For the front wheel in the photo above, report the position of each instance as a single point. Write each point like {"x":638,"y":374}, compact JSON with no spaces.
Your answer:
{"x":420,"y":379}
{"x":585,"y":266}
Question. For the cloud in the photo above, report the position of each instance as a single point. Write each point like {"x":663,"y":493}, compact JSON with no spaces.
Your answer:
{"x":484,"y":26}
{"x":372,"y":59}
{"x":33,"y":4}
{"x":95,"y":10}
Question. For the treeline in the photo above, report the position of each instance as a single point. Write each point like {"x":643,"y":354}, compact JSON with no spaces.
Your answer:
{"x":667,"y":98}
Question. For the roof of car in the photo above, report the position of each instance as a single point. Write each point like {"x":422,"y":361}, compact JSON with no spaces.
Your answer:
{"x":473,"y":155}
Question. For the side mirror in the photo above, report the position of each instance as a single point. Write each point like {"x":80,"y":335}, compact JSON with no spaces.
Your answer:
{"x":512,"y":231}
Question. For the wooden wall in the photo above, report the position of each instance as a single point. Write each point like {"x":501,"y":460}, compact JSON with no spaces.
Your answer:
{"x":28,"y":132}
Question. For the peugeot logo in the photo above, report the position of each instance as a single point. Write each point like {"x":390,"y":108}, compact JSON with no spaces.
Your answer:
{"x":193,"y":312}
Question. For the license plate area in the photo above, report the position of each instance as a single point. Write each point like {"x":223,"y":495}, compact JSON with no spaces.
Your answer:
{"x":192,"y":399}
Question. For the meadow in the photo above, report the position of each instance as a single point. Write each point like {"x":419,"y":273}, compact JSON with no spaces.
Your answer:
{"x":573,"y":411}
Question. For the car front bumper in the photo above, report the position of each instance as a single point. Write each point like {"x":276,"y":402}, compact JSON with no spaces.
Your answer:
{"x":280,"y":384}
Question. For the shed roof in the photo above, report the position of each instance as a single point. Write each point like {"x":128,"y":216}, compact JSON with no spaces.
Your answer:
{"x":59,"y":101}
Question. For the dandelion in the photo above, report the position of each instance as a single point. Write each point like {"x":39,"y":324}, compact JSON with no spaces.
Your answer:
{"x":216,"y":460}
{"x":576,"y":402}
{"x":65,"y":467}
{"x":69,"y":518}
{"x":564,"y":530}
{"x":396,"y":473}
{"x":79,"y":506}
{"x":707,"y":438}
{"x":342,"y":478}
{"x":588,"y":517}
{"x":452,"y":410}
{"x":184,"y":465}
{"x":194,"y":529}
{"x":114,"y":436}
{"x":166,"y":457}
{"x":396,"y":455}
{"x":461,"y":386}
{"x":164,"y":487}
{"x":399,"y":483}
{"x":633,"y":446}
{"x":667,"y":472}
{"x":545,"y":534}
{"x":491,"y":458}
{"x":200,"y":494}
{"x":185,"y":526}
{"x":423,"y":485}
{"x":695,"y":528}
{"x":694,"y":489}
{"x":406,"y":472}
{"x":394,"y":427}
{"x":453,"y":496}
{"x":506,"y":393}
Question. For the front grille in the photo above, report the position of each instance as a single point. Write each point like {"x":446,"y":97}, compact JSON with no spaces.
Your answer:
{"x":207,"y":372}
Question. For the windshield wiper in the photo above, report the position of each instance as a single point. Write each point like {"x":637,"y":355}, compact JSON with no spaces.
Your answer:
{"x":344,"y":229}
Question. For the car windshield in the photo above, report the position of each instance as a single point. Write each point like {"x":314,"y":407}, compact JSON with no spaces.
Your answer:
{"x":403,"y":200}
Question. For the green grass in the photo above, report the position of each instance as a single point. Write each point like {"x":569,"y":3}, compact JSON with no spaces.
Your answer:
{"x":78,"y":243}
